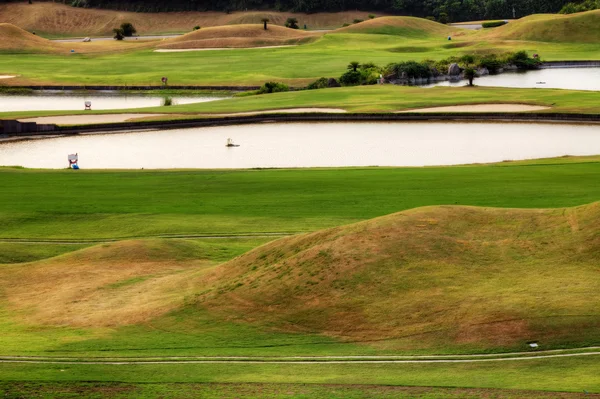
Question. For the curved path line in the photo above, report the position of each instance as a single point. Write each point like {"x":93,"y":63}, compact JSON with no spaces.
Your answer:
{"x":296,"y":360}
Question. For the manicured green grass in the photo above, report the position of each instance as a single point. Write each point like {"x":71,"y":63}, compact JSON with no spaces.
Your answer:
{"x":118,"y":204}
{"x":90,"y":390}
{"x":570,"y":374}
{"x":387,"y":98}
{"x":14,"y":252}
{"x":295,"y":65}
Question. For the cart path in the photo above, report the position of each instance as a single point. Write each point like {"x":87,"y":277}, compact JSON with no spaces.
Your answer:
{"x":500,"y":357}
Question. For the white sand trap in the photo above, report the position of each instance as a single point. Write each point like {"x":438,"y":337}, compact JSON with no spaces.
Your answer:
{"x":88,"y":119}
{"x":288,"y":111}
{"x":7,"y":76}
{"x":481,"y":108}
{"x":181,"y":50}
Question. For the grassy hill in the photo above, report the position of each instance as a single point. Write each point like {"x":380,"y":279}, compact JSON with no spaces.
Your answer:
{"x":435,"y":279}
{"x":430,"y":277}
{"x":58,"y":20}
{"x":239,"y":36}
{"x":410,"y":27}
{"x":573,"y":28}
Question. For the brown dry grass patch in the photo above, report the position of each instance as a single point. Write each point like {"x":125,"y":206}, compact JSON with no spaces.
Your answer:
{"x":239,"y":36}
{"x":109,"y":285}
{"x":15,"y":39}
{"x":482,"y":276}
{"x":59,"y":19}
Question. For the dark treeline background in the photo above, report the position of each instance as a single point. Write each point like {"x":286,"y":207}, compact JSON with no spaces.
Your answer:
{"x":441,"y":10}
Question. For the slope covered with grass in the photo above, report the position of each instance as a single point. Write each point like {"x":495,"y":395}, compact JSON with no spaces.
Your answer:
{"x":572,"y":28}
{"x":437,"y":277}
{"x":410,"y":27}
{"x":238,"y":36}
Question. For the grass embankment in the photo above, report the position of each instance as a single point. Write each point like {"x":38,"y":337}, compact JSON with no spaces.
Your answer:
{"x":243,"y":36}
{"x":387,"y":98}
{"x":371,"y":41}
{"x":58,"y":20}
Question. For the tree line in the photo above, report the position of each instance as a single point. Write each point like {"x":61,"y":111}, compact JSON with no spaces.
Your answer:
{"x":440,"y":10}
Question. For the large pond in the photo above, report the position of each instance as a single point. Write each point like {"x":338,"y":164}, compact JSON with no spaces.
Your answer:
{"x":306,"y":145}
{"x":70,"y":101}
{"x":552,"y":78}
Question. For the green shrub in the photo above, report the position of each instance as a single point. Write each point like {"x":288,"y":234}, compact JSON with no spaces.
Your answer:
{"x":491,"y":63}
{"x":321,"y":83}
{"x":358,"y":21}
{"x":273,"y":87}
{"x":371,"y":16}
{"x":351,"y":78}
{"x":167,"y":101}
{"x":493,"y":24}
{"x":522,"y":60}
{"x":197,"y":27}
{"x":409,"y":69}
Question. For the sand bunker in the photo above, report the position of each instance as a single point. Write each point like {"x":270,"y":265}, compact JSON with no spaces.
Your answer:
{"x":88,"y":119}
{"x":288,"y":111}
{"x":481,"y":108}
{"x":7,"y":76}
{"x":179,"y":50}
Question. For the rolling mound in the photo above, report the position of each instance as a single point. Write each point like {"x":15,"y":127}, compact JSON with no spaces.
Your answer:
{"x":107,"y":285}
{"x":13,"y":38}
{"x":436,"y":277}
{"x":238,"y":36}
{"x":400,"y":26}
{"x":573,"y":28}
{"x":60,"y":19}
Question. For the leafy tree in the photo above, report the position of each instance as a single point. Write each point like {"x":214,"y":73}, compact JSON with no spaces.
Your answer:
{"x":467,"y":59}
{"x":292,"y":23}
{"x":265,"y":21}
{"x":470,"y":74}
{"x":128,"y":29}
{"x":118,"y":34}
{"x":321,"y":83}
{"x":353,"y":66}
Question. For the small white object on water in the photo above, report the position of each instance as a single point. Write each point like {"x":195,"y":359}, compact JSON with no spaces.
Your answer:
{"x":533,"y":345}
{"x":88,"y":105}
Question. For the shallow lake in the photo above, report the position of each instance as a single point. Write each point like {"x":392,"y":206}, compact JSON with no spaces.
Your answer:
{"x":70,"y":101}
{"x":551,"y":78}
{"x":310,"y":145}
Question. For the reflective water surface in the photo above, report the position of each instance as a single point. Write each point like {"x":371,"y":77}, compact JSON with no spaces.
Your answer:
{"x":310,"y":145}
{"x":552,"y":78}
{"x":71,"y":101}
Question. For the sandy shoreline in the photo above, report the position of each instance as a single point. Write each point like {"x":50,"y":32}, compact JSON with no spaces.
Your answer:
{"x":88,"y":119}
{"x":480,"y":108}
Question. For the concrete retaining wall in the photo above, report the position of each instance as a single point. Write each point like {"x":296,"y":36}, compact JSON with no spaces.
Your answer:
{"x":570,"y":64}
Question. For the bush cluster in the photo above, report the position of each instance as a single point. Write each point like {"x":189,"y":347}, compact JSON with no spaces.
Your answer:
{"x":588,"y":5}
{"x":493,"y":24}
{"x":273,"y":87}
